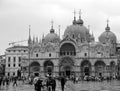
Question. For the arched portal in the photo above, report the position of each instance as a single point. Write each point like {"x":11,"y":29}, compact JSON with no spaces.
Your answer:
{"x":66,"y":66}
{"x":85,"y":68}
{"x":99,"y":68}
{"x":48,"y":67}
{"x":35,"y":68}
{"x":112,"y":68}
{"x":67,"y":49}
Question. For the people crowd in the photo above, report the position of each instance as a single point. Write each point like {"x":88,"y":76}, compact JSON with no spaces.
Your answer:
{"x":49,"y":83}
{"x":6,"y":80}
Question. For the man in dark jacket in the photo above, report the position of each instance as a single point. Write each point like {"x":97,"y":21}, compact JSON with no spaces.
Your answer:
{"x":53,"y":81}
{"x":63,"y":80}
{"x":38,"y":85}
{"x":49,"y":83}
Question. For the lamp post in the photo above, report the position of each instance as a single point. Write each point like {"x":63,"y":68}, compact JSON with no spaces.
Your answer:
{"x":29,"y":45}
{"x":29,"y":59}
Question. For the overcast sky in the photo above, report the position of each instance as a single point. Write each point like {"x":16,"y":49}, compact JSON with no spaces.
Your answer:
{"x":17,"y":15}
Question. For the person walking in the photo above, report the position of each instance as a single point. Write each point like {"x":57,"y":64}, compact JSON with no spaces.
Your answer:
{"x":63,"y":80}
{"x":39,"y":85}
{"x":49,"y":84}
{"x":0,"y":82}
{"x":15,"y":81}
{"x":53,"y":81}
{"x":7,"y":81}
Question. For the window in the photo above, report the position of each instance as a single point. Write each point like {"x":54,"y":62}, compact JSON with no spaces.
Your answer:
{"x":8,"y":50}
{"x":14,"y":59}
{"x":36,"y":55}
{"x":19,"y":59}
{"x":14,"y":50}
{"x":19,"y":65}
{"x":9,"y":59}
{"x":8,"y":74}
{"x":24,"y":50}
{"x":13,"y":65}
{"x":73,"y":36}
{"x":13,"y":73}
{"x":8,"y":65}
{"x":49,"y":54}
{"x":85,"y":54}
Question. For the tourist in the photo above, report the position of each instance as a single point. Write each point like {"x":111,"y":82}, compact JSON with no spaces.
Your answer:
{"x":15,"y":81}
{"x":63,"y":80}
{"x":38,"y":85}
{"x":53,"y":84}
{"x":49,"y":83}
{"x":0,"y":81}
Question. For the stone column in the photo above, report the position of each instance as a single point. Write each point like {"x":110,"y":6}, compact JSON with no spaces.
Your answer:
{"x":93,"y":70}
{"x":42,"y":71}
{"x":56,"y":70}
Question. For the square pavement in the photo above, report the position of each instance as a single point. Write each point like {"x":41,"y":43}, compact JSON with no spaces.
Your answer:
{"x":70,"y":86}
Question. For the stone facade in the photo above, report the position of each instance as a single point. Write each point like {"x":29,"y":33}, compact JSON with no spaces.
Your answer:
{"x":76,"y":54}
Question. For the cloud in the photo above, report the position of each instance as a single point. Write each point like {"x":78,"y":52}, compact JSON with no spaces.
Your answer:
{"x":16,"y":15}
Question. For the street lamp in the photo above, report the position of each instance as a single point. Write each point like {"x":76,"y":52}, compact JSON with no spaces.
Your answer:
{"x":29,"y":44}
{"x":29,"y":59}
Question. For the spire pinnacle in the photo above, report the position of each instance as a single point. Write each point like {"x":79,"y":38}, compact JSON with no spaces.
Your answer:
{"x":80,"y":14}
{"x":29,"y":39}
{"x":29,"y":31}
{"x":59,"y":29}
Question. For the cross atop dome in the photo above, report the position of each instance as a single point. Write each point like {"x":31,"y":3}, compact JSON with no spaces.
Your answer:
{"x":52,"y":30}
{"x":80,"y":21}
{"x":52,"y":24}
{"x":74,"y":21}
{"x":74,"y":14}
{"x":107,"y":28}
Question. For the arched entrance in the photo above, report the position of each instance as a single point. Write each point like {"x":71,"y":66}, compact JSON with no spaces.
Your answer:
{"x":112,"y":68}
{"x":35,"y":68}
{"x":48,"y":67}
{"x":85,"y":68}
{"x":99,"y":68}
{"x":66,"y":67}
{"x":67,"y":49}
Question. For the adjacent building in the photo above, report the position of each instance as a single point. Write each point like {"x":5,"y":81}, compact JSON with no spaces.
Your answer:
{"x":13,"y":59}
{"x":2,"y":65}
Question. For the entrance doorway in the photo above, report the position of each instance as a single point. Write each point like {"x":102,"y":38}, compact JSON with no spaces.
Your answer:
{"x":67,"y":70}
{"x":68,"y":73}
{"x":36,"y":74}
{"x":86,"y":68}
{"x":48,"y":67}
{"x":100,"y":74}
{"x":87,"y":71}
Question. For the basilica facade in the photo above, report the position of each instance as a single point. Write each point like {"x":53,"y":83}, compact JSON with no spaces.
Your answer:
{"x":76,"y":54}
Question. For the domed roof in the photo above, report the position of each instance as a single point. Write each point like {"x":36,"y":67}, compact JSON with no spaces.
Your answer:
{"x":76,"y":30}
{"x":107,"y":36}
{"x":52,"y":37}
